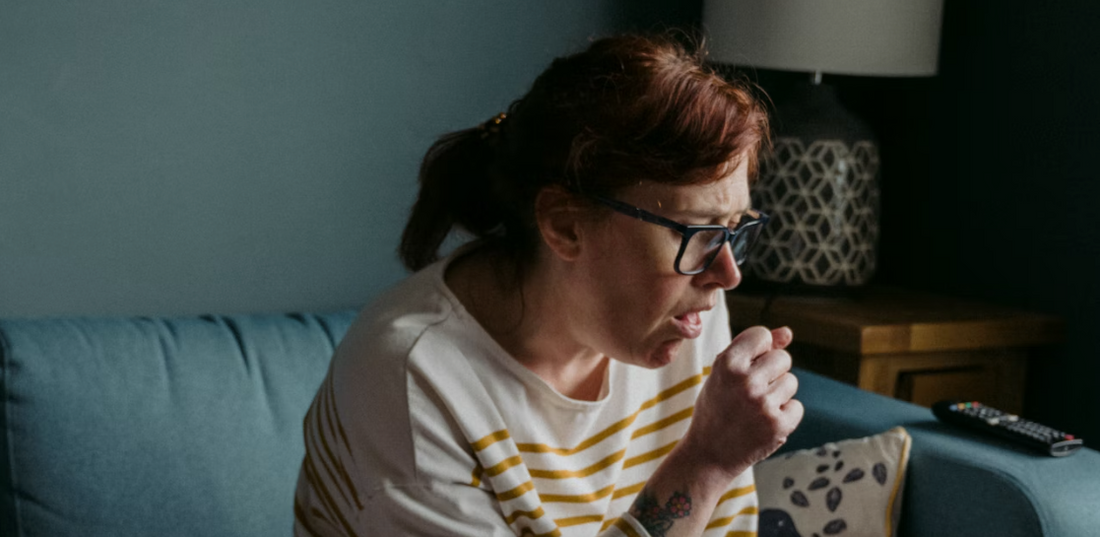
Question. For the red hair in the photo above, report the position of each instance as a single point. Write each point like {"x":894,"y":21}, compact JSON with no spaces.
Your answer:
{"x":628,"y":108}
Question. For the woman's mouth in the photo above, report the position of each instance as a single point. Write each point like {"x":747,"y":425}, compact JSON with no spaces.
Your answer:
{"x":690,"y":325}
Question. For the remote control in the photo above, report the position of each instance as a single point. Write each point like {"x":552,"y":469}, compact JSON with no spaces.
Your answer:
{"x":975,"y":415}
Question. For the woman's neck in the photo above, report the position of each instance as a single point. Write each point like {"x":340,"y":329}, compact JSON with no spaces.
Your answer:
{"x":529,"y":315}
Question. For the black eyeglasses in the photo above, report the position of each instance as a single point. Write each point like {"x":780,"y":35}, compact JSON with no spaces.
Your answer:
{"x":701,"y":244}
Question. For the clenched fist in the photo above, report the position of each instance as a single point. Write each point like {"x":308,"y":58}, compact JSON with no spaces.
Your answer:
{"x":746,"y":409}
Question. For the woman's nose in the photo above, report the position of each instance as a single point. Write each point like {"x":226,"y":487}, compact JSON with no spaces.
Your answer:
{"x":723,"y":271}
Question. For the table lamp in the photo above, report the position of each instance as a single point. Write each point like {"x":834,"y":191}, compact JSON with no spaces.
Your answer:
{"x":820,"y":184}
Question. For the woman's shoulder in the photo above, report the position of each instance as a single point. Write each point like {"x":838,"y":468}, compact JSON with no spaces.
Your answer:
{"x":397,"y":318}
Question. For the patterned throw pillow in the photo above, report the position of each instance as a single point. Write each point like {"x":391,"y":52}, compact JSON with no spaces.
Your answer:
{"x":850,"y":488}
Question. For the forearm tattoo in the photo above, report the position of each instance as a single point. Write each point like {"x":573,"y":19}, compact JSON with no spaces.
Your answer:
{"x":657,"y":520}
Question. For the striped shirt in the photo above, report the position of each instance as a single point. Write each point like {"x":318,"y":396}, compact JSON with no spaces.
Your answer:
{"x":424,"y":425}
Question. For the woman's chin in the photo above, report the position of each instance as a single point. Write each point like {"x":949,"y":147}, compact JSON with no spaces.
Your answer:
{"x":664,"y":354}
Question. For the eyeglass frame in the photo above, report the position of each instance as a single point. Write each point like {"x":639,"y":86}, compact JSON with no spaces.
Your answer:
{"x":687,"y":231}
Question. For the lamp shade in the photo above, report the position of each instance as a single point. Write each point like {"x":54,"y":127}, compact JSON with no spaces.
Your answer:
{"x":846,"y":37}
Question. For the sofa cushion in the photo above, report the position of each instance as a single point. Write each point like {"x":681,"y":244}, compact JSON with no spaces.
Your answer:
{"x":188,"y":426}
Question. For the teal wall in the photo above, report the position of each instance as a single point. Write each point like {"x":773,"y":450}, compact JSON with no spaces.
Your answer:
{"x":238,"y":156}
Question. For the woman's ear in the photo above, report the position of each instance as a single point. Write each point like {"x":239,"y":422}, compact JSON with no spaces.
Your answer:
{"x":560,"y":217}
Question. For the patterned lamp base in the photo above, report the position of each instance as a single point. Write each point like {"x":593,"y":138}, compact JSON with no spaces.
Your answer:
{"x":823,"y":198}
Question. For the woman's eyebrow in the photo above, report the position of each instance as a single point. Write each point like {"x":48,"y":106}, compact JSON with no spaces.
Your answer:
{"x":712,"y":214}
{"x":702,"y":213}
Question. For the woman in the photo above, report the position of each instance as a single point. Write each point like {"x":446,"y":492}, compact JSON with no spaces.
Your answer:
{"x":570,"y":371}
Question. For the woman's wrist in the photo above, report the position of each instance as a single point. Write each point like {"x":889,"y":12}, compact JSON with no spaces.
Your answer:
{"x":680,"y":497}
{"x":711,"y":463}
{"x":702,"y":468}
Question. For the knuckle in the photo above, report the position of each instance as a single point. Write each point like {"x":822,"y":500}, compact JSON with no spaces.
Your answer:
{"x":797,"y":411}
{"x":765,"y":337}
{"x":732,"y":359}
{"x":757,"y":388}
{"x":755,"y":336}
{"x":728,"y":371}
{"x":789,"y":383}
{"x":764,"y":361}
{"x":786,"y":359}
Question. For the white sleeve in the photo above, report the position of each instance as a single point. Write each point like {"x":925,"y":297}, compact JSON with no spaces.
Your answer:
{"x":433,"y":509}
{"x":360,"y":476}
{"x":454,"y":511}
{"x":626,"y":526}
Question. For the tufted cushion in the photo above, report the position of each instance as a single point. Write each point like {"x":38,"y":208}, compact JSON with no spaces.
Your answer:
{"x":188,"y":426}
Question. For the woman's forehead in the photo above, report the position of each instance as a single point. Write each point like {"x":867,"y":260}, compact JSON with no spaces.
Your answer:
{"x":725,"y":197}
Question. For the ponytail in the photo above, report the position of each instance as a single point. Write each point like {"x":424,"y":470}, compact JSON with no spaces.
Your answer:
{"x":461,"y":185}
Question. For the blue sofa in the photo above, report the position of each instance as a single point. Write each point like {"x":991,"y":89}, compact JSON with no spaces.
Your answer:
{"x":191,"y":427}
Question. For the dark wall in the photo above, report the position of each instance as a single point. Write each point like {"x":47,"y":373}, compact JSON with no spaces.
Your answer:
{"x":989,"y":183}
{"x":989,"y":180}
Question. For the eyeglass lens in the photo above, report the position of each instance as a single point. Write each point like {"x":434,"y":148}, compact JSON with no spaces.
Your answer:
{"x":704,"y":246}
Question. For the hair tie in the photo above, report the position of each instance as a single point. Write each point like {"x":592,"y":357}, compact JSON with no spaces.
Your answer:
{"x":492,"y":127}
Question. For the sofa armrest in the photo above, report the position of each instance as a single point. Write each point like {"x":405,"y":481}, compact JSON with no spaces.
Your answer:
{"x":959,"y":483}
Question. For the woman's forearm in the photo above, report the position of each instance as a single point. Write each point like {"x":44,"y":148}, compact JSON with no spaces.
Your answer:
{"x":744,"y":413}
{"x":680,"y":497}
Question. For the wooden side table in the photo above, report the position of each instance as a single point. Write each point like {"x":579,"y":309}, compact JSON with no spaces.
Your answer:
{"x":909,"y":345}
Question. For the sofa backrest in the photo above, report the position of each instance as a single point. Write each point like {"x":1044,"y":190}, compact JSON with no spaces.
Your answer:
{"x":167,"y":427}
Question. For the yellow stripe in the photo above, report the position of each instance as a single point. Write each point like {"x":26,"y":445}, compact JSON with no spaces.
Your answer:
{"x":615,"y":428}
{"x":627,"y":491}
{"x":744,"y":533}
{"x":577,"y":520}
{"x":537,"y":513}
{"x":528,"y":532}
{"x":562,"y":474}
{"x":658,"y":425}
{"x":748,"y":489}
{"x":626,"y":528}
{"x":503,"y":466}
{"x":903,"y":460}
{"x":721,"y":522}
{"x":579,"y":498}
{"x":475,"y":480}
{"x":608,"y":524}
{"x":491,"y":439}
{"x":646,"y":457}
{"x":516,"y":492}
{"x":611,"y":459}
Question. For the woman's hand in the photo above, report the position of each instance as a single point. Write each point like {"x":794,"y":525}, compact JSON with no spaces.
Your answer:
{"x":746,"y":409}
